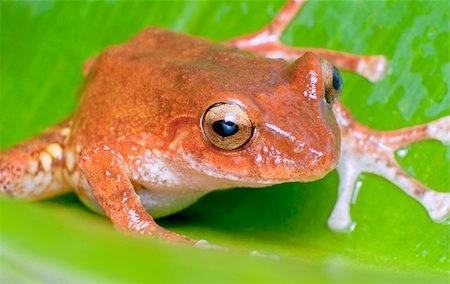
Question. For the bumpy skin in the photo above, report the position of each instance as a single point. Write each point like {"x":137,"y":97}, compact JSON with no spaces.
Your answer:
{"x":135,"y":148}
{"x":154,"y":89}
{"x":149,"y":95}
{"x":135,"y":142}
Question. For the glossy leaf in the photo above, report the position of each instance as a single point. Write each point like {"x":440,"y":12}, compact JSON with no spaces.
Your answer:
{"x":42,"y":49}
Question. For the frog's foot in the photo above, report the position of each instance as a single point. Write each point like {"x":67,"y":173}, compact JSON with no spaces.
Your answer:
{"x":266,"y":42}
{"x":366,"y":150}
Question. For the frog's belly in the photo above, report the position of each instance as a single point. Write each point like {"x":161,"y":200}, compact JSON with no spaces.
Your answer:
{"x":164,"y":203}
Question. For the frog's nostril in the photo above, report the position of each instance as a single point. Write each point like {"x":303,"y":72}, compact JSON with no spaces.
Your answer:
{"x":337,"y":79}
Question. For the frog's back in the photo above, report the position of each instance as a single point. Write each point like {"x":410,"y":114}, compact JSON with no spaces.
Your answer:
{"x":136,"y":87}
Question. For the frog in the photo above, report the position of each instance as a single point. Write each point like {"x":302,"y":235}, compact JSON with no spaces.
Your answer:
{"x":166,"y":118}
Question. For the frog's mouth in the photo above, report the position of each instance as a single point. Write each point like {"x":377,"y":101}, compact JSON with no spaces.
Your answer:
{"x":215,"y":179}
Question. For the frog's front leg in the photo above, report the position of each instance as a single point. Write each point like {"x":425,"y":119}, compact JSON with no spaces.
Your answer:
{"x":107,"y":169}
{"x":266,"y":42}
{"x":366,"y":150}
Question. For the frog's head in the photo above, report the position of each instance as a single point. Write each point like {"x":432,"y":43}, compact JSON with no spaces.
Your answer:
{"x":287,"y":132}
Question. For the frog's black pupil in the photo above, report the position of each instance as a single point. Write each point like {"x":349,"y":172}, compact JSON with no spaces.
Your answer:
{"x":225,"y":128}
{"x":337,"y":80}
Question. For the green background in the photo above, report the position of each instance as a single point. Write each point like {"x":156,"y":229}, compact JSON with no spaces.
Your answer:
{"x":42,"y":48}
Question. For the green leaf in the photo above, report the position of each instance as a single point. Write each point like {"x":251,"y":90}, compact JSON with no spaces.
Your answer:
{"x":43,"y":45}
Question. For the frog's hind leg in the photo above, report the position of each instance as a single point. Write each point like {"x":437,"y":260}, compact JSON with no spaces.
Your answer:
{"x":33,"y":169}
{"x":366,"y":150}
{"x":266,"y":42}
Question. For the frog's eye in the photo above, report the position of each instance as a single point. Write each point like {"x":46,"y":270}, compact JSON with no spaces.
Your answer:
{"x":227,"y":126}
{"x":332,"y":80}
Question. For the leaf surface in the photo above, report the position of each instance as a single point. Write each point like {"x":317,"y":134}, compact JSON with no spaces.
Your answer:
{"x":42,"y":49}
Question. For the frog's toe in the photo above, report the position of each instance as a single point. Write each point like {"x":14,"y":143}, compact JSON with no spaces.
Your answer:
{"x":438,"y":205}
{"x":374,"y":68}
{"x":440,"y":129}
{"x":341,"y":225}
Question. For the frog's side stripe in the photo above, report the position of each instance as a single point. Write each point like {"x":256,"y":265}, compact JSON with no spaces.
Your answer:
{"x":33,"y":169}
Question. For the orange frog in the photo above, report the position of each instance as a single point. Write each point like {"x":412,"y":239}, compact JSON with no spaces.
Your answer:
{"x":166,"y":118}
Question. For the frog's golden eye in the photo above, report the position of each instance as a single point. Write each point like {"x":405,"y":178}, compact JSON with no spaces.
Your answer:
{"x":332,"y":80}
{"x":227,"y":126}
